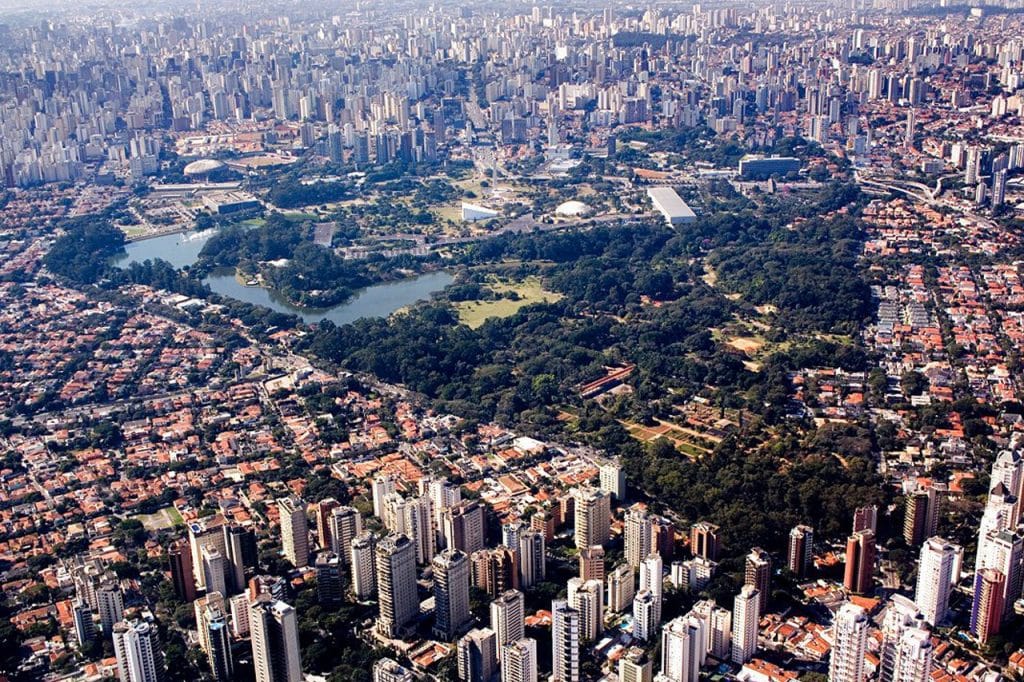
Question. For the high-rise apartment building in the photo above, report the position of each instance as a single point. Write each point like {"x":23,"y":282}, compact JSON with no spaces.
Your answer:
{"x":294,"y":530}
{"x":345,"y":524}
{"x":330,"y":589}
{"x":240,"y":556}
{"x":508,"y":613}
{"x":591,"y":560}
{"x":202,"y":533}
{"x":637,"y":535}
{"x":935,"y":579}
{"x":85,"y":627}
{"x":683,"y":649}
{"x":519,"y":661}
{"x":850,"y":639}
{"x":323,"y":523}
{"x":987,"y":607}
{"x":418,"y":523}
{"x":205,"y":606}
{"x":382,"y":486}
{"x":364,"y":568}
{"x":532,"y":558}
{"x":801,"y":550}
{"x":274,"y":634}
{"x":543,"y":522}
{"x":613,"y":481}
{"x":587,"y":597}
{"x":565,"y":642}
{"x":914,"y":656}
{"x":901,"y":615}
{"x":758,"y":572}
{"x":137,"y":650}
{"x":214,"y":570}
{"x":213,"y":625}
{"x":182,"y":576}
{"x":621,"y":588}
{"x":110,"y":604}
{"x":394,"y":513}
{"x":745,"y":625}
{"x":477,"y":655}
{"x":495,"y":570}
{"x":704,"y":540}
{"x":1002,"y":550}
{"x":865,"y":518}
{"x":464,"y":527}
{"x":451,"y":594}
{"x":635,"y":666}
{"x":718,"y":625}
{"x":921,"y":513}
{"x":396,"y":584}
{"x":646,"y":615}
{"x":652,"y":579}
{"x":860,"y":562}
{"x":443,"y":496}
{"x":593,"y":514}
{"x":1008,"y":469}
{"x":511,"y":533}
{"x":663,"y":537}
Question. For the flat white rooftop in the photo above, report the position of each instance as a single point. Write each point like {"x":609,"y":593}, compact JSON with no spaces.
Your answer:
{"x":671,"y":205}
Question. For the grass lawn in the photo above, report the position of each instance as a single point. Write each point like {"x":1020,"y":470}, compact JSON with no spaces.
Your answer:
{"x":475,"y":313}
{"x":448,"y":212}
{"x":472,"y":185}
{"x":680,"y":437}
{"x":162,"y":519}
{"x":132,"y":231}
{"x":175,"y":516}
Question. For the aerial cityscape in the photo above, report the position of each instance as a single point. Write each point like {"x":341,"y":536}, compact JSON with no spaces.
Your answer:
{"x":512,"y":341}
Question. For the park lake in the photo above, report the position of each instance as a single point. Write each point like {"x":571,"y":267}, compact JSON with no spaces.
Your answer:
{"x":182,"y":250}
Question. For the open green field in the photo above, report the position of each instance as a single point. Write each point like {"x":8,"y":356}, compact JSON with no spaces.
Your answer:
{"x":681,"y":438}
{"x":162,"y":519}
{"x":134,"y":231}
{"x":450,"y":212}
{"x":472,"y":185}
{"x":475,"y":313}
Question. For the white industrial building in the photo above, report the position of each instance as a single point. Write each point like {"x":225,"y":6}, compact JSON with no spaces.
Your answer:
{"x":670,"y":205}
{"x":472,"y":213}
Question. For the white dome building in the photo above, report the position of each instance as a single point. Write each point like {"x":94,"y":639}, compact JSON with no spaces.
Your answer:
{"x":572,"y":209}
{"x":203,"y":169}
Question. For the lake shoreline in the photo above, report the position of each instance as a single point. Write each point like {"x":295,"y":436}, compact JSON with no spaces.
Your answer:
{"x":377,"y":300}
{"x":182,"y":249}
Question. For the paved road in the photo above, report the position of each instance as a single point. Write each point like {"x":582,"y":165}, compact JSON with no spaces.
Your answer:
{"x":927,"y":197}
{"x":524,"y":224}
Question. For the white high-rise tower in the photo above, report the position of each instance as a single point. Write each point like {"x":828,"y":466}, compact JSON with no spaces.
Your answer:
{"x":850,"y":639}
{"x":744,"y":623}
{"x":913,"y":656}
{"x":638,"y":535}
{"x":935,"y":578}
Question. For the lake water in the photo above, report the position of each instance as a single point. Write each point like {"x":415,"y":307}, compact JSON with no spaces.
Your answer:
{"x":178,"y":249}
{"x":377,"y":301}
{"x":181,"y":250}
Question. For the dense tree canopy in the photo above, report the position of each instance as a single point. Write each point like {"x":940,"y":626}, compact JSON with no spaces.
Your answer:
{"x":82,"y":252}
